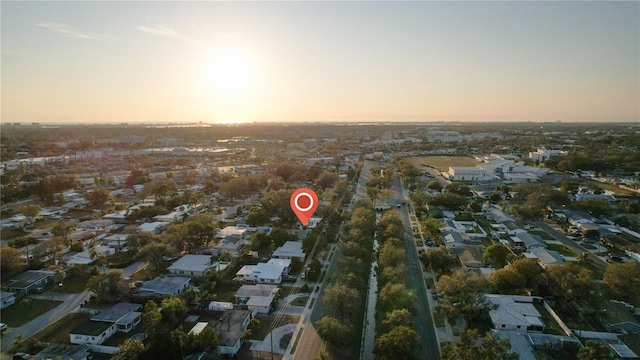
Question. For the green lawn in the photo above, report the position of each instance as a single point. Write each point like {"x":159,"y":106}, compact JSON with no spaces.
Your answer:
{"x":442,"y":163}
{"x":76,"y":285}
{"x":301,"y":301}
{"x":26,"y":310}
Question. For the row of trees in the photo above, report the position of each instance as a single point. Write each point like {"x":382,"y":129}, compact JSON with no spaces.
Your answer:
{"x":394,"y":334}
{"x":344,"y":296}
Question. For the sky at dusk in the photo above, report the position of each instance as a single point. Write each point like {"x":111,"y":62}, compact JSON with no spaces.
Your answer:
{"x":146,"y":61}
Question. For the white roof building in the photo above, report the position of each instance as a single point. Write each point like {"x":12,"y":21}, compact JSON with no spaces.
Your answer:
{"x":153,"y":227}
{"x":515,"y":313}
{"x":289,"y":250}
{"x":192,"y":265}
{"x":264,"y":273}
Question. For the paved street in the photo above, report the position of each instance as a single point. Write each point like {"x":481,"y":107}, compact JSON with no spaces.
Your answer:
{"x":576,"y":248}
{"x":415,"y":281}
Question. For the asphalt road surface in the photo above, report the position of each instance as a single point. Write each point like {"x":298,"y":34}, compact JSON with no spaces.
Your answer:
{"x":415,"y":281}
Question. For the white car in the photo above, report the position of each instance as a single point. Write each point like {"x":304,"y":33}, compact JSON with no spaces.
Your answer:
{"x":3,"y":326}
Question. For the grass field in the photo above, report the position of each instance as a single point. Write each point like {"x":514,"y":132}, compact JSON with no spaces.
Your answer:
{"x":26,"y":310}
{"x":441,"y":163}
{"x":614,"y":188}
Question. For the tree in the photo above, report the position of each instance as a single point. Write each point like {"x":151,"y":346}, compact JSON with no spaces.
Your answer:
{"x":372,"y":193}
{"x":458,"y":188}
{"x":462,"y":293}
{"x":532,"y":272}
{"x":594,"y":351}
{"x":507,"y":281}
{"x":98,"y":196}
{"x":391,"y":254}
{"x":173,"y":312}
{"x":326,"y":179}
{"x":395,"y":296}
{"x":594,"y":206}
{"x":192,"y":234}
{"x":63,"y":229}
{"x":431,"y":227}
{"x":571,"y":282}
{"x":107,"y":286}
{"x":151,"y":317}
{"x":440,"y":260}
{"x":419,"y":200}
{"x":341,"y":300}
{"x":129,"y":350}
{"x":449,"y":201}
{"x":624,"y":280}
{"x":314,"y":270}
{"x":470,"y":347}
{"x":398,"y":317}
{"x":153,"y":253}
{"x":30,"y":211}
{"x":497,"y":255}
{"x":400,"y":342}
{"x":10,"y":260}
{"x":334,"y":331}
{"x":434,"y":185}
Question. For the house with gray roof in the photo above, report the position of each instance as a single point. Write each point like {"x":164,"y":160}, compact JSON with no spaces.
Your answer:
{"x":121,"y":317}
{"x":168,"y":285}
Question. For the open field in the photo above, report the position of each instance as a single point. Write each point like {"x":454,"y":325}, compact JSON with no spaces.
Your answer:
{"x":441,"y":163}
{"x":614,"y":188}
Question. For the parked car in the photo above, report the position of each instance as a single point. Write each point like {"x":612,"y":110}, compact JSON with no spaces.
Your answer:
{"x":3,"y":326}
{"x":139,"y":283}
{"x":588,"y":241}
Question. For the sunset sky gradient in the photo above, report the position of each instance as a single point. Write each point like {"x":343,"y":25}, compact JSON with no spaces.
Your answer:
{"x":319,"y":61}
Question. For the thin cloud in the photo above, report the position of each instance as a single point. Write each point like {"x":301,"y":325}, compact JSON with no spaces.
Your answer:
{"x":163,"y":30}
{"x":70,"y":31}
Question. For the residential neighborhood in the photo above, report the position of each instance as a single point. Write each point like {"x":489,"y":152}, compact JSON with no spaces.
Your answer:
{"x":438,"y":237}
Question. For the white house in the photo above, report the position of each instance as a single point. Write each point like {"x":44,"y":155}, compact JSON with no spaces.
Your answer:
{"x":121,"y":317}
{"x":247,"y":291}
{"x":264,"y":273}
{"x":517,"y":313}
{"x":192,"y":265}
{"x":289,"y":250}
{"x":230,"y":328}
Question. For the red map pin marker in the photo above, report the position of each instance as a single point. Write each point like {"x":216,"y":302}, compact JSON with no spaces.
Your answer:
{"x":304,"y":203}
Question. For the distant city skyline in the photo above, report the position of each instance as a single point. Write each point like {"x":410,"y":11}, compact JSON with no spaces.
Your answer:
{"x":217,"y":62}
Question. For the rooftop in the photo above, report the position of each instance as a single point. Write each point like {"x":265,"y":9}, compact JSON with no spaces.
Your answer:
{"x":29,"y":277}
{"x":63,"y":351}
{"x":192,"y":262}
{"x":230,"y":326}
{"x":255,"y":290}
{"x":165,"y":286}
{"x":116,"y":312}
{"x":92,"y":328}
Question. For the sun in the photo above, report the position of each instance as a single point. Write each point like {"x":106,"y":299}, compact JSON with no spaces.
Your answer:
{"x":229,"y":71}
